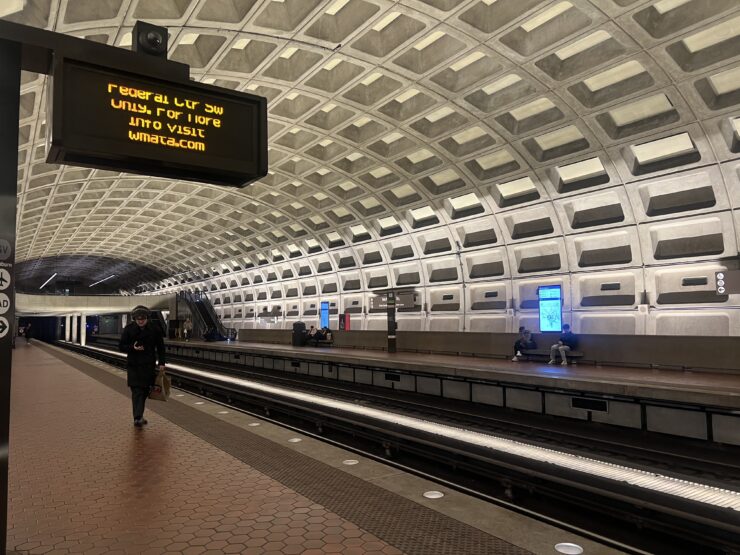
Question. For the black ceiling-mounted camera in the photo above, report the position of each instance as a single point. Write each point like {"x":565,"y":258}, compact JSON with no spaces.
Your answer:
{"x":150,"y":39}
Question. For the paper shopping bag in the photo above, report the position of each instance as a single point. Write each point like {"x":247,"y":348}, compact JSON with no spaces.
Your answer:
{"x":161,"y":388}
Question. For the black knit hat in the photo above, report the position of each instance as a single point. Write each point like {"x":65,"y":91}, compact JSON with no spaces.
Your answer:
{"x":139,"y":311}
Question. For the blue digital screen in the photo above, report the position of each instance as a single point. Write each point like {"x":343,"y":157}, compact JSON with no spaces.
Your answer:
{"x":551,"y":308}
{"x":324,"y":314}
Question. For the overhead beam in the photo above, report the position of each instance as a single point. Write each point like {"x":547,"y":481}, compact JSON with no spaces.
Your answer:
{"x":38,"y":48}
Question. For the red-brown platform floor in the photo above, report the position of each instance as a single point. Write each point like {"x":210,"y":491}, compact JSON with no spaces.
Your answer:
{"x":84,"y":480}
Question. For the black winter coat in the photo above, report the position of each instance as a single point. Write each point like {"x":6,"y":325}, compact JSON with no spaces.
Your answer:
{"x":141,"y":365}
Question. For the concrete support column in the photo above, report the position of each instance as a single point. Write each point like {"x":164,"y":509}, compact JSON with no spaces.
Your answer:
{"x":83,"y":330}
{"x":67,"y":327}
{"x":75,"y":321}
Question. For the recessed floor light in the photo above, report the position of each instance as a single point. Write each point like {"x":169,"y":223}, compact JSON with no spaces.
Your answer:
{"x":223,"y":412}
{"x":569,"y":548}
{"x":199,"y":403}
{"x":179,"y":395}
{"x":253,"y":424}
{"x":350,"y":462}
{"x":433,"y":494}
{"x":294,"y":440}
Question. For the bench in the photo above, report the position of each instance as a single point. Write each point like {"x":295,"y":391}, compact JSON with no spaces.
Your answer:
{"x":573,"y":356}
{"x":321,"y":342}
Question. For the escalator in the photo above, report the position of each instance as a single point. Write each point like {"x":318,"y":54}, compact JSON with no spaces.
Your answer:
{"x":205,"y":320}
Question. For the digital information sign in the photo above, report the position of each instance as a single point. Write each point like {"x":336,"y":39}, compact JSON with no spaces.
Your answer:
{"x":551,"y":307}
{"x":145,"y":125}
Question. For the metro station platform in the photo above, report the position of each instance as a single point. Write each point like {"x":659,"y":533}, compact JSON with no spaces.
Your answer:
{"x":705,"y":387}
{"x":203,"y":479}
{"x":697,"y":404}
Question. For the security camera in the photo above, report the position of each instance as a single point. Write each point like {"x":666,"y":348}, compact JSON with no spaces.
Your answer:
{"x":150,"y":39}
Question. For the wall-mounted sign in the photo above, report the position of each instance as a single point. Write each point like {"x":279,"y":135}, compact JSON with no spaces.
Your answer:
{"x":104,"y":118}
{"x":727,"y":282}
{"x":400,"y":300}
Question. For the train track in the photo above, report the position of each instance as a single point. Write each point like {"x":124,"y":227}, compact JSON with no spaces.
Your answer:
{"x":611,"y":511}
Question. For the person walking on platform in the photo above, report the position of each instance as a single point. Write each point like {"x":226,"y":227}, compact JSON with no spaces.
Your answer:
{"x":187,"y":329}
{"x":28,"y":332}
{"x":144,"y":346}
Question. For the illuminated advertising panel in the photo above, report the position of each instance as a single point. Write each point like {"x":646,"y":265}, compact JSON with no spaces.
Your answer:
{"x":551,"y":308}
{"x":324,"y":314}
{"x":141,"y":124}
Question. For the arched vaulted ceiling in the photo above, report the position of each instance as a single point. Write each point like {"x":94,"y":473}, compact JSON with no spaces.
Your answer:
{"x":510,"y":125}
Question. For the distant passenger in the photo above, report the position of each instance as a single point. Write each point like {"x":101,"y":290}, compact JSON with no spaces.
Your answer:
{"x":144,"y":345}
{"x":568,"y":342}
{"x":313,"y":335}
{"x":525,"y":342}
{"x":28,"y":333}
{"x":187,"y":329}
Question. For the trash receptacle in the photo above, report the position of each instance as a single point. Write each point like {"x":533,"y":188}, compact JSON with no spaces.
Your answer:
{"x":299,"y":334}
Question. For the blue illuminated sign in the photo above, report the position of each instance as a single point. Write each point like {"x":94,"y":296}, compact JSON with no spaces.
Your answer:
{"x":551,"y":308}
{"x":324,"y":314}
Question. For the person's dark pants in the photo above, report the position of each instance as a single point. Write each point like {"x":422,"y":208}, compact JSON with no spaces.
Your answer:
{"x":518,"y":346}
{"x":138,"y":400}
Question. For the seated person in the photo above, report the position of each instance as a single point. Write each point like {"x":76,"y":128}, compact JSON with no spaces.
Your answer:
{"x":313,"y":335}
{"x":567,"y":342}
{"x":525,"y":342}
{"x":520,"y":338}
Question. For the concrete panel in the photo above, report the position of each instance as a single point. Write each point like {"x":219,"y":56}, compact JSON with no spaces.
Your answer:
{"x":315,"y":369}
{"x":428,"y":386}
{"x":346,"y":374}
{"x":677,"y":422}
{"x":726,"y":429}
{"x":524,"y":399}
{"x":487,"y":394}
{"x":559,"y":405}
{"x":330,"y":372}
{"x":453,"y":389}
{"x":702,"y":322}
{"x":609,"y":323}
{"x":491,"y":324}
{"x":620,"y":414}
{"x":380,"y":381}
{"x":363,"y":376}
{"x":407,"y":383}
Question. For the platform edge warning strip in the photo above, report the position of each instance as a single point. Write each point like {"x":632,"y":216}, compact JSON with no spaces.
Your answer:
{"x":408,"y":526}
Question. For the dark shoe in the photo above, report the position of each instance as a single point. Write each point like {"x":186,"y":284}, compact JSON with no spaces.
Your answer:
{"x":138,"y":423}
{"x":144,"y":421}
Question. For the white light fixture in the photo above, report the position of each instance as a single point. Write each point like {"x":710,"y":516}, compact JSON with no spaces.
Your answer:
{"x":102,"y":280}
{"x":569,"y":548}
{"x":48,"y":280}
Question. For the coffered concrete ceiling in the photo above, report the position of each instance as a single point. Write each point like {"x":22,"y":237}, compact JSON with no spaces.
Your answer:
{"x":548,"y":137}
